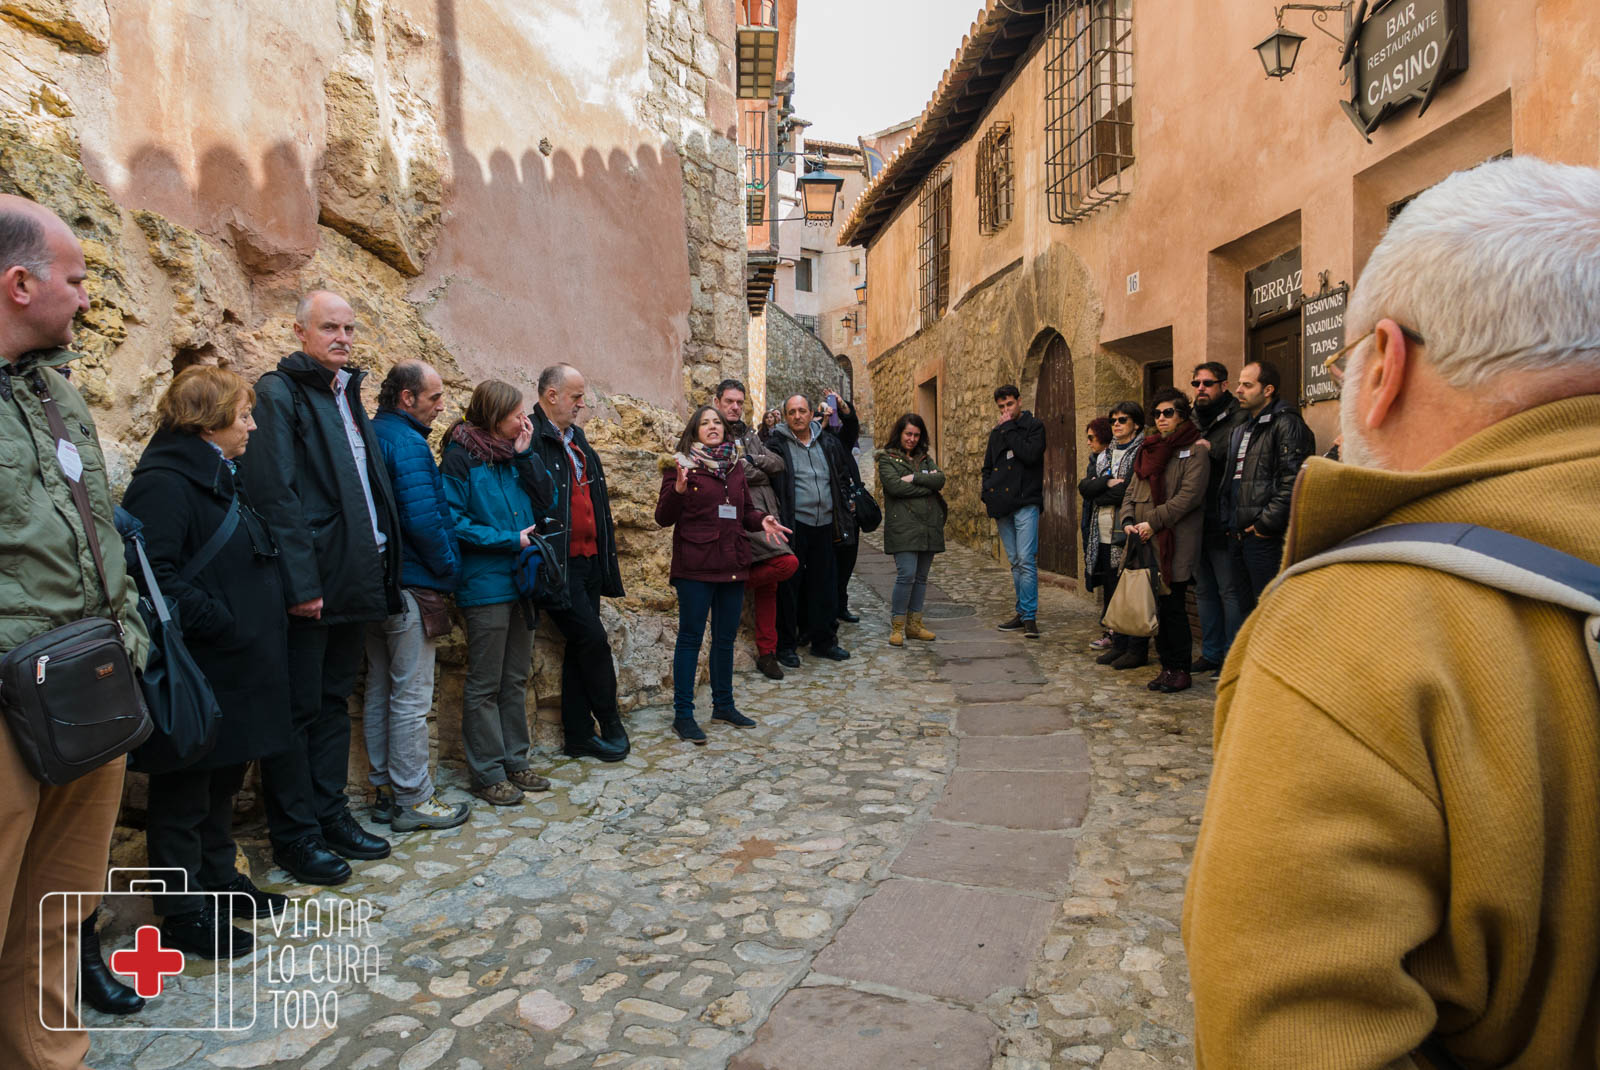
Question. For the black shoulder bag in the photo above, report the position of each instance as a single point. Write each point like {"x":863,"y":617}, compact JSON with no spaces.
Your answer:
{"x":70,"y":696}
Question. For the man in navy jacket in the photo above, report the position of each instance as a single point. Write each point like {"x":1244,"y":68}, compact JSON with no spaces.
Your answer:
{"x":400,"y":654}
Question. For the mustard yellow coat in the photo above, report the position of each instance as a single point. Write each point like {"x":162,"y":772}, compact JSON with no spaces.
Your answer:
{"x":1402,"y":834}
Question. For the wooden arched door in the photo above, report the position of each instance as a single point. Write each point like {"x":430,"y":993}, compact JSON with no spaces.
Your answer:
{"x":1059,"y":533}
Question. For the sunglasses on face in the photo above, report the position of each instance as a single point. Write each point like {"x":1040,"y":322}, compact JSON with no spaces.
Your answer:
{"x":1122,"y":419}
{"x":1166,"y":413}
{"x":1199,"y":383}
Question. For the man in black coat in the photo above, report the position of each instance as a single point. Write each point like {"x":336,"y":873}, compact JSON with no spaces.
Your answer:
{"x":588,"y":677}
{"x":315,"y":472}
{"x":813,"y":494}
{"x":844,"y":553}
{"x":1013,"y":493}
{"x":1217,"y":586}
{"x":1264,"y":456}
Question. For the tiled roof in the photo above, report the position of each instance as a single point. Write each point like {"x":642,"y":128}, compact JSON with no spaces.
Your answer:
{"x":838,"y":148}
{"x":1002,"y":33}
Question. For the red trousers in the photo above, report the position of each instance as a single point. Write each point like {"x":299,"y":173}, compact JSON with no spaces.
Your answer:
{"x":764,"y":579}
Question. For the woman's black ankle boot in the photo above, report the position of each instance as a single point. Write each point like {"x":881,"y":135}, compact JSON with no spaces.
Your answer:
{"x":101,"y":990}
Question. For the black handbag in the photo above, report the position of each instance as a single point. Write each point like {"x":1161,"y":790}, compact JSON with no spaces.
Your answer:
{"x":70,"y":696}
{"x":182,"y":705}
{"x":868,"y":514}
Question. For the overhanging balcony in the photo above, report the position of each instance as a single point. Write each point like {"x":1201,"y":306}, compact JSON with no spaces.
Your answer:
{"x":757,"y":49}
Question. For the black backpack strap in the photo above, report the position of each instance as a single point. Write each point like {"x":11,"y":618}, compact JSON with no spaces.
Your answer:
{"x":213,"y":546}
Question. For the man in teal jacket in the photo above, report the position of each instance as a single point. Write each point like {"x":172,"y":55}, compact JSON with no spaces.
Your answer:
{"x":52,"y":838}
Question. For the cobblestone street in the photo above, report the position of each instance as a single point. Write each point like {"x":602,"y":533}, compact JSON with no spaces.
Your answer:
{"x":958,"y":854}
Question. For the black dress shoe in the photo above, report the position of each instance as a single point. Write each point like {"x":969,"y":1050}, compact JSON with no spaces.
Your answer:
{"x":832,"y":653}
{"x":101,"y":990}
{"x":594,"y":747}
{"x":732,"y":716}
{"x":612,"y":732}
{"x":310,"y":861}
{"x":346,"y":836}
{"x":206,"y":933}
{"x":789,"y":659}
{"x":248,"y":901}
{"x":849,"y":617}
{"x":1012,"y":625}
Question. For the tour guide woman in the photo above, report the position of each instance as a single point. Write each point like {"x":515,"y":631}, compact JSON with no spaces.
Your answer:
{"x":706,"y":502}
{"x":913,"y":522}
{"x":497,"y":493}
{"x":1165,"y":502}
{"x":235,"y":625}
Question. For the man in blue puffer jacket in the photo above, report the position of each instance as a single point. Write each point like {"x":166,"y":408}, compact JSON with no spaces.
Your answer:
{"x":400,"y":653}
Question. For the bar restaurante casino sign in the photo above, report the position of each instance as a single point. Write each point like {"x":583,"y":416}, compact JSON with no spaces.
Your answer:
{"x":1403,"y":51}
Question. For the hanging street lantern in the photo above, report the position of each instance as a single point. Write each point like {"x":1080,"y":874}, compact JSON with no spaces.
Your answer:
{"x":1279,"y":51}
{"x":819,"y":195}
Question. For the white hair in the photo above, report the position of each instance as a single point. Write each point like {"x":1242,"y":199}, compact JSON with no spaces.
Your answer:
{"x":1498,"y":268}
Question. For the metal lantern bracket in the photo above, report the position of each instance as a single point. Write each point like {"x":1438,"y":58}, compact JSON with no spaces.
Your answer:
{"x":1319,"y":18}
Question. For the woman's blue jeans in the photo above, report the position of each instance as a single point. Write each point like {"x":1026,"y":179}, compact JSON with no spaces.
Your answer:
{"x":722,"y":602}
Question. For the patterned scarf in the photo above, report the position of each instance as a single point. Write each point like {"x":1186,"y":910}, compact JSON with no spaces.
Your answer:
{"x":490,"y":449}
{"x":715,"y":460}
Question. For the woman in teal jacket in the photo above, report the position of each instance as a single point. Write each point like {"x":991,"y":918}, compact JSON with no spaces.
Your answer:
{"x":913,"y":521}
{"x":498,"y":492}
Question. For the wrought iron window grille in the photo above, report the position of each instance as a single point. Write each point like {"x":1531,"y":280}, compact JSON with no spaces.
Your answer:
{"x":807,"y":323}
{"x":1088,"y":106}
{"x":933,"y":244}
{"x":993,"y":178}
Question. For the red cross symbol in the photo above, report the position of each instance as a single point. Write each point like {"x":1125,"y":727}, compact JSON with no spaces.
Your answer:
{"x":147,"y":962}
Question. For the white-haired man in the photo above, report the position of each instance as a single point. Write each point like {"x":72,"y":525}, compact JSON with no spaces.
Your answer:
{"x":1399,"y":862}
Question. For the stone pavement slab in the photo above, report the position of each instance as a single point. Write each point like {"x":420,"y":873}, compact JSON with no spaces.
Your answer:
{"x":996,"y":692}
{"x":990,"y":857}
{"x":842,"y":1029}
{"x":960,"y":943}
{"x":1060,"y":752}
{"x":1011,"y":719}
{"x":1016,"y":669}
{"x":1015,"y":800}
{"x":962,"y":646}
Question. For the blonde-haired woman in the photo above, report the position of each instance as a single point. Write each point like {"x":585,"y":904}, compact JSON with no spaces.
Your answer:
{"x":498,"y":492}
{"x":212,"y":554}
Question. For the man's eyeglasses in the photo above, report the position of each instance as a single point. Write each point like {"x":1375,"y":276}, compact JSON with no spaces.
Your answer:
{"x":1122,"y":419}
{"x":1166,"y":413}
{"x":1198,"y":383}
{"x":1335,"y":364}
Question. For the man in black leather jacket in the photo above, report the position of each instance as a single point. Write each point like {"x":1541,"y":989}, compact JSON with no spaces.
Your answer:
{"x":1218,"y":586}
{"x":1264,"y":457}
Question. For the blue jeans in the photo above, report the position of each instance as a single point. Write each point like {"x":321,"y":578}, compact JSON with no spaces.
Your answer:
{"x":1019,"y":534}
{"x":697,"y":599}
{"x":1219,"y":593}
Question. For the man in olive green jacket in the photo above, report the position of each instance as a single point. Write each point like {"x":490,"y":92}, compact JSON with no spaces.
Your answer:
{"x":1399,"y":863}
{"x":52,"y":838}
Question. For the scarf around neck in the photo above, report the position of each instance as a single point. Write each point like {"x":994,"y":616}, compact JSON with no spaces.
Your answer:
{"x":490,"y":449}
{"x":714,"y":460}
{"x":1151,"y":466}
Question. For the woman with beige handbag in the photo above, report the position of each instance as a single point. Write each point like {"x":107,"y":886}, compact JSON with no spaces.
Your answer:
{"x":1163,"y":507}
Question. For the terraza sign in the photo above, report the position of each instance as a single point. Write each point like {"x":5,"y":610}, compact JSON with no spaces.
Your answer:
{"x":1403,"y":52}
{"x":1272,"y":289}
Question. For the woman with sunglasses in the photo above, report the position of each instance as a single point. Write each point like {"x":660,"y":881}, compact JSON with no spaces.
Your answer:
{"x":1098,"y":436}
{"x":705,"y":500}
{"x":1165,"y":507}
{"x":1103,"y":493}
{"x":231,"y":606}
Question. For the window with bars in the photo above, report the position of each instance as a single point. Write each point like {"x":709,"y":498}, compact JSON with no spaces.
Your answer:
{"x":933,"y":243}
{"x":994,"y":179}
{"x":1088,"y":105}
{"x":807,"y":323}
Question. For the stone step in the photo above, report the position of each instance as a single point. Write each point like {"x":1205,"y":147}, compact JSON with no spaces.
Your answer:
{"x":1011,"y":719}
{"x":1016,"y":860}
{"x":1064,"y":752}
{"x":1015,"y":800}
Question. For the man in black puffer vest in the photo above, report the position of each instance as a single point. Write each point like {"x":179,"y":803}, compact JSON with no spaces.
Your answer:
{"x":1013,"y":493}
{"x":316,"y":473}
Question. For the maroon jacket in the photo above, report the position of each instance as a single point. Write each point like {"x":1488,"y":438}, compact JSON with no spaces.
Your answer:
{"x":706,"y":546}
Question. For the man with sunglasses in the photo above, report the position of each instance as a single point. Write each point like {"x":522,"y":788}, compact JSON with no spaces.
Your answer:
{"x":1397,"y":865}
{"x":1216,"y":584}
{"x":1264,"y":455}
{"x":1013,"y":493}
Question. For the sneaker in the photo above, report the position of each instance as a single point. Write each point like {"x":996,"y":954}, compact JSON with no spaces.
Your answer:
{"x":689,"y":731}
{"x":501,"y":793}
{"x":1102,"y":643}
{"x":1012,"y":625}
{"x":528,"y":780}
{"x":431,"y":813}
{"x":383,"y":807}
{"x":1030,"y":629}
{"x":768,"y":664}
{"x":732,"y":716}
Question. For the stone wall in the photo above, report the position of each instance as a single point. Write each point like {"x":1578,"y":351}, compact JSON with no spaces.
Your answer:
{"x":798,"y":362}
{"x":399,"y":152}
{"x":994,"y":336}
